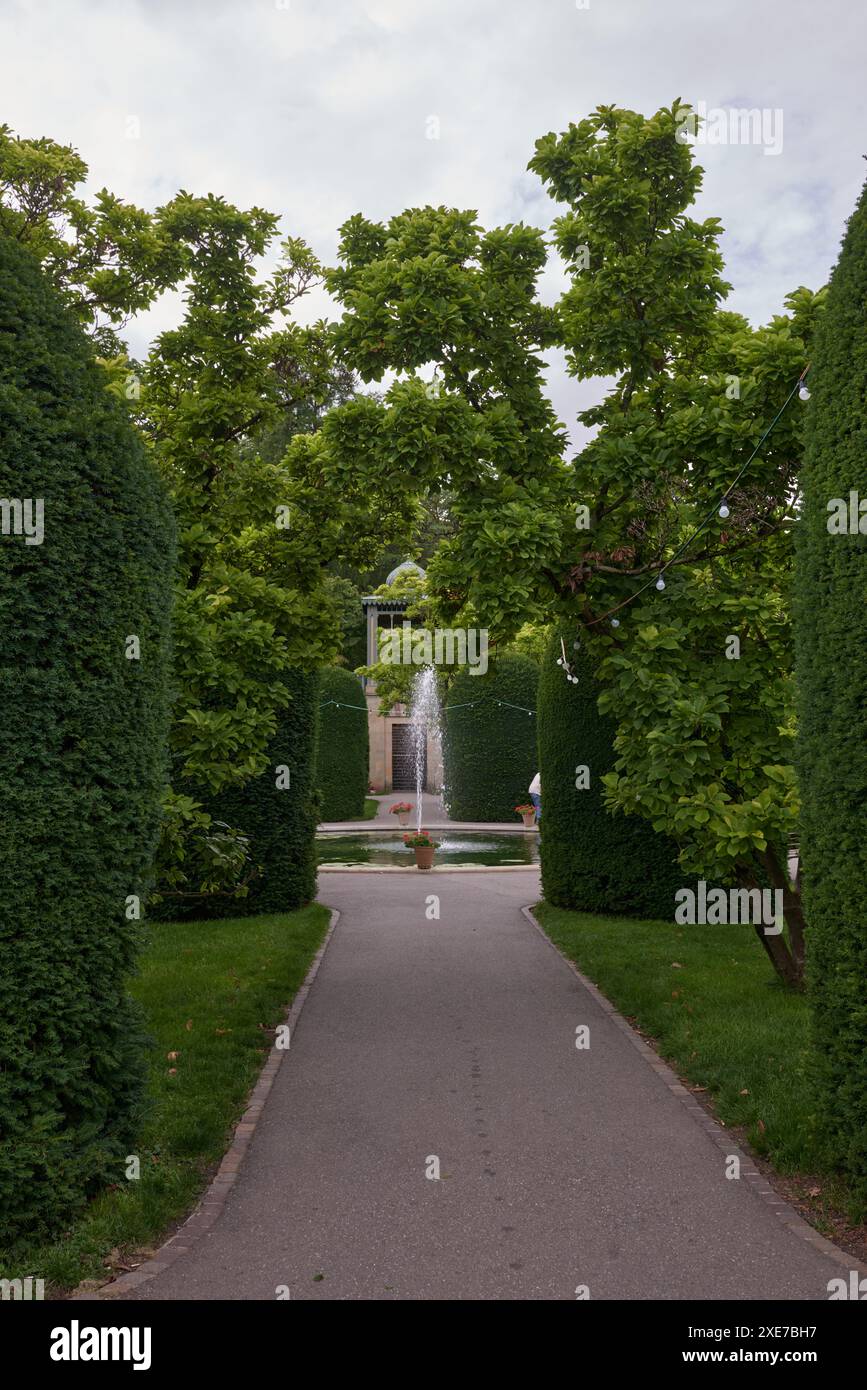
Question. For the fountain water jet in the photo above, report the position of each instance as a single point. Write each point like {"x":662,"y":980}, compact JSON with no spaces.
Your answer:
{"x":424,"y":712}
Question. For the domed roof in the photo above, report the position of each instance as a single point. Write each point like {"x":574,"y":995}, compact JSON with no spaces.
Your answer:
{"x":402,"y":569}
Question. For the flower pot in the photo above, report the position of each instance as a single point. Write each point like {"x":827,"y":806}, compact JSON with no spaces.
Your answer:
{"x":529,"y":819}
{"x":424,"y":855}
{"x":403,"y":818}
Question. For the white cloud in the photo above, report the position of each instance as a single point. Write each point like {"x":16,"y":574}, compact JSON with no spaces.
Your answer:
{"x":318,"y":109}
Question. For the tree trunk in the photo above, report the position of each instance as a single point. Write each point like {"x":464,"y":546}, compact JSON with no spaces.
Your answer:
{"x":788,"y":964}
{"x":793,"y":911}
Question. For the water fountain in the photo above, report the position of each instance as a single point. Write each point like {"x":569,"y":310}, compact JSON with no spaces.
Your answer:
{"x":424,"y":709}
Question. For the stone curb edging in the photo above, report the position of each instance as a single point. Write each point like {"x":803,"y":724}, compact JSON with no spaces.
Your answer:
{"x":214,"y":1199}
{"x":719,"y":1136}
{"x":469,"y":827}
{"x":434,"y":869}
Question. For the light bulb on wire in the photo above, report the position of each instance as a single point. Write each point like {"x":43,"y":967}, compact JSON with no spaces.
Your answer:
{"x":803,"y":392}
{"x":724,"y":511}
{"x":660,"y":583}
{"x":615,"y":622}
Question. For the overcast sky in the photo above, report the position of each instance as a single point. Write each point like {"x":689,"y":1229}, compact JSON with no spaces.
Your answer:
{"x":317,"y":109}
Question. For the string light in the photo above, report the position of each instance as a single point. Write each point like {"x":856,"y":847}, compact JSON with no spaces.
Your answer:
{"x":615,"y":622}
{"x":720,"y":508}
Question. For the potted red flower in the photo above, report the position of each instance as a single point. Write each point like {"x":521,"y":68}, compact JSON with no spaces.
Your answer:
{"x":527,"y":813}
{"x":401,"y":809}
{"x":424,"y":846}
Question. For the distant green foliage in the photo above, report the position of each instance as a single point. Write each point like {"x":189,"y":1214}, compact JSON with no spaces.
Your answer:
{"x":830,"y":590}
{"x":83,"y":765}
{"x":343,"y":758}
{"x":592,"y":861}
{"x":489,"y":749}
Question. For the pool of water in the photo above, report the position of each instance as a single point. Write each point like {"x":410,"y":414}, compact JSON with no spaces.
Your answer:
{"x":384,"y":850}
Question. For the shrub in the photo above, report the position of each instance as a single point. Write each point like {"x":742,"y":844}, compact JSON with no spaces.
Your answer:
{"x":277,"y":811}
{"x":83,"y":764}
{"x":489,"y":747}
{"x":831,"y":644}
{"x":592,"y":861}
{"x":343,"y":757}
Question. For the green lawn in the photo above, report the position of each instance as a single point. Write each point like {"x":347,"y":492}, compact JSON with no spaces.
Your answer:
{"x":210,"y":990}
{"x":709,"y":998}
{"x":370,"y":808}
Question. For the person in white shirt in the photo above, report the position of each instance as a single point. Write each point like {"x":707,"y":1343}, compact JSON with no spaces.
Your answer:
{"x":536,"y":795}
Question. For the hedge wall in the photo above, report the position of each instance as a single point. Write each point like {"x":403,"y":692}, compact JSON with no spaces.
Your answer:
{"x":489,"y":749}
{"x":83,"y":759}
{"x":280,"y":821}
{"x":592,"y":861}
{"x":831,"y":638}
{"x":343,"y":759}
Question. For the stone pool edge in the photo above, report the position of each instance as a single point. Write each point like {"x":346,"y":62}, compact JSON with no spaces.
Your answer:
{"x":435,"y":869}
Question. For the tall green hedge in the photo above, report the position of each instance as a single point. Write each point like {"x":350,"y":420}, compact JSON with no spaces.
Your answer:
{"x":280,"y":821}
{"x":489,"y":747}
{"x":343,"y":760}
{"x":831,"y":635}
{"x":592,"y":861}
{"x":84,"y":729}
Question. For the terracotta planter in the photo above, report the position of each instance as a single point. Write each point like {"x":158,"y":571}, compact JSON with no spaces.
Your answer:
{"x":529,"y":819}
{"x":403,"y":817}
{"x":424,"y":855}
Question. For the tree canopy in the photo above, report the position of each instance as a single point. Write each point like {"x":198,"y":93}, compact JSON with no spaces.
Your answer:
{"x":703,"y":737}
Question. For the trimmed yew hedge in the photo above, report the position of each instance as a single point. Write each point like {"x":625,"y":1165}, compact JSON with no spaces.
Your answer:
{"x":83,"y":762}
{"x":831,"y":637}
{"x":489,"y":747}
{"x":343,"y":757}
{"x":592,"y":861}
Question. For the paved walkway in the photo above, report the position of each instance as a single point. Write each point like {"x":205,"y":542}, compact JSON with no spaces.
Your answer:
{"x":433,"y":811}
{"x":558,"y":1167}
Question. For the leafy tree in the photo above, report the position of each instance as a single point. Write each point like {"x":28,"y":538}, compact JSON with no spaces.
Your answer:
{"x":84,"y":684}
{"x":704,"y":740}
{"x":344,"y":598}
{"x":830,"y":590}
{"x":705,"y":725}
{"x":108,"y":260}
{"x":263,"y":510}
{"x":394,"y":679}
{"x":431,"y":293}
